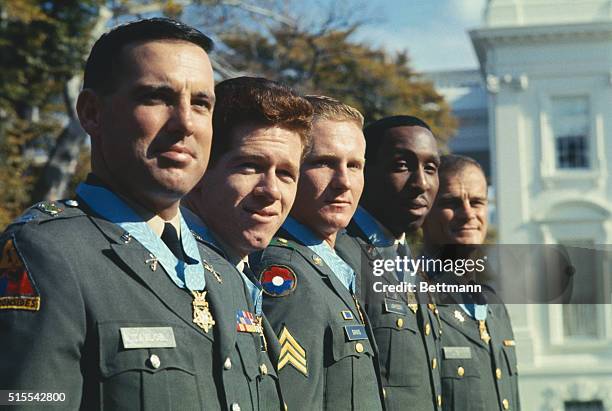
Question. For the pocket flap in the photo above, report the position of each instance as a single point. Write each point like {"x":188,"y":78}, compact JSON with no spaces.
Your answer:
{"x":397,"y":322}
{"x":459,"y":369}
{"x":115,"y":359}
{"x":510,"y":354}
{"x":342,"y":347}
{"x":248,"y":354}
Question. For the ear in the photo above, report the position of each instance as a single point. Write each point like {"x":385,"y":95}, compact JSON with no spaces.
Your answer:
{"x":89,"y":109}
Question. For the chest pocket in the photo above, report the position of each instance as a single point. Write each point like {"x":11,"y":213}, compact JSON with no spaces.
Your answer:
{"x":146,"y":378}
{"x":343,"y":348}
{"x":460,"y":385}
{"x":510,"y":355}
{"x":263,"y":380}
{"x":402,"y":355}
{"x":350,"y":376}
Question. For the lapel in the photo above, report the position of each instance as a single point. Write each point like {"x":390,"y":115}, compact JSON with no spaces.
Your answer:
{"x":349,"y":249}
{"x":372,"y":253}
{"x":326,"y":272}
{"x":222,"y":299}
{"x":469,"y":327}
{"x":133,"y":255}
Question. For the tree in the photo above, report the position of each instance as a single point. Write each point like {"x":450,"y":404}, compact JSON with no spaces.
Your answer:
{"x":45,"y":43}
{"x":328,"y":62}
{"x":41,"y":46}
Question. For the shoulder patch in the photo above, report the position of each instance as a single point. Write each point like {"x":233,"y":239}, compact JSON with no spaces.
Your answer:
{"x":17,"y":291}
{"x":278,"y":280}
{"x":292,"y":353}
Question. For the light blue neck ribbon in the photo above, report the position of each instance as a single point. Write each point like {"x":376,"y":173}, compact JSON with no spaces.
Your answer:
{"x":379,"y":239}
{"x":341,"y":269}
{"x":197,"y":225}
{"x":188,"y":274}
{"x":476,"y":311}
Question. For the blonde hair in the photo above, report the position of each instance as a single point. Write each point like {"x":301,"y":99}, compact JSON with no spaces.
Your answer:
{"x":328,"y":108}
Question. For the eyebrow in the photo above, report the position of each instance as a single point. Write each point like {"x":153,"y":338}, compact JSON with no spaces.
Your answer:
{"x":448,"y":196}
{"x":403,"y":152}
{"x":165,"y":89}
{"x":256,"y":156}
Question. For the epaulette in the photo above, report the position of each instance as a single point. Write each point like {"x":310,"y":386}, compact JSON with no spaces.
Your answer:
{"x":49,"y":210}
{"x":282,"y":242}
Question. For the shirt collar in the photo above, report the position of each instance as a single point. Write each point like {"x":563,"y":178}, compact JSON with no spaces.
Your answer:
{"x":107,"y":204}
{"x":320,"y":247}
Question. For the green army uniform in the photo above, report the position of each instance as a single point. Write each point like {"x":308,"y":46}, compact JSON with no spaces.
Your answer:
{"x":99,"y":320}
{"x":328,"y":360}
{"x":478,"y":364}
{"x":407,"y":330}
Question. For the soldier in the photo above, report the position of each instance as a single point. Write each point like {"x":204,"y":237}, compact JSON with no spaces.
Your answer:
{"x":261,"y":130}
{"x":478,"y":363}
{"x":400,"y":187}
{"x":109,"y":301}
{"x":327,"y":358}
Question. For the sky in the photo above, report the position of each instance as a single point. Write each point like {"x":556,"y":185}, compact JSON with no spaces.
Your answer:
{"x":433,"y":31}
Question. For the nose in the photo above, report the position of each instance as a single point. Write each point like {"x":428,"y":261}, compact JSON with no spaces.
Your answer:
{"x":268,"y":187}
{"x":467,"y":211}
{"x":418,"y":180}
{"x":341,"y":180}
{"x":181,"y":119}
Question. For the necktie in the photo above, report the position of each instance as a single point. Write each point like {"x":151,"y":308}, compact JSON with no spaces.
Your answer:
{"x":170,"y":238}
{"x":249,"y":273}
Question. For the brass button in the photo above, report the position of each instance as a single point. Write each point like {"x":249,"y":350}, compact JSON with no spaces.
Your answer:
{"x":282,"y":240}
{"x":431,"y":306}
{"x":439,"y":400}
{"x":227,"y":365}
{"x":427,"y":329}
{"x":235,"y":407}
{"x":155,"y":361}
{"x":506,"y":404}
{"x":436,"y":311}
{"x":498,"y":373}
{"x":384,"y":393}
{"x":285,"y":404}
{"x":359,"y":347}
{"x":263,"y":369}
{"x":434,"y":363}
{"x":460,"y":371}
{"x":400,"y":322}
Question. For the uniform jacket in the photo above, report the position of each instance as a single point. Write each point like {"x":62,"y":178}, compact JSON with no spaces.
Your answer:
{"x":93,"y":281}
{"x":477,"y":376}
{"x":407,"y":333}
{"x":336,"y":373}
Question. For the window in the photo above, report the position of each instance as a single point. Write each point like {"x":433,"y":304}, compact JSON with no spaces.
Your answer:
{"x":595,"y":405}
{"x":570,"y":116}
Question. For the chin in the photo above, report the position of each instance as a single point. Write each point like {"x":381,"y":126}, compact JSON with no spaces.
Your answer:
{"x":258,"y":241}
{"x":412,"y":226}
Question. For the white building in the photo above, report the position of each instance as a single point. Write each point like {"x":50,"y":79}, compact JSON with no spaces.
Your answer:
{"x":546,"y":66}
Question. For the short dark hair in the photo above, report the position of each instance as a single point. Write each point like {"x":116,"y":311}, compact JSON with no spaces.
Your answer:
{"x":255,"y":100}
{"x":375,"y":131}
{"x":103,"y":64}
{"x":451,"y":164}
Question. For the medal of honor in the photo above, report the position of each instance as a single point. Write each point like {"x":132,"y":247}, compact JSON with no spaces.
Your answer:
{"x":412,"y":302}
{"x":484,"y":334}
{"x":202,"y":316}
